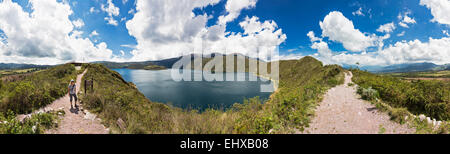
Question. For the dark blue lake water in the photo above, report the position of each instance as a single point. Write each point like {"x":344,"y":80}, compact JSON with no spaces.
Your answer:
{"x":159,"y":86}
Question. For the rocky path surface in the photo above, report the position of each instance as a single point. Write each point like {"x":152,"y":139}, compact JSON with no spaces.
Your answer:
{"x":343,"y":112}
{"x":75,"y":120}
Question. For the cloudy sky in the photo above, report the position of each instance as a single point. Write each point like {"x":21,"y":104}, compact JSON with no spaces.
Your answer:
{"x":376,"y":32}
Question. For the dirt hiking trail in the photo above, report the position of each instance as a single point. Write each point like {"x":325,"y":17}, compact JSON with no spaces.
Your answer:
{"x":342,"y":111}
{"x":75,"y":120}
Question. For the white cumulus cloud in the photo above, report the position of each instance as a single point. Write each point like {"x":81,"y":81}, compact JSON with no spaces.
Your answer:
{"x":234,"y":7}
{"x":44,"y":36}
{"x":435,"y":51}
{"x":387,"y":28}
{"x":167,"y":29}
{"x":358,"y":12}
{"x":94,"y":33}
{"x":406,"y":20}
{"x":112,"y":11}
{"x":338,"y":28}
{"x":414,"y":51}
{"x":445,"y":32}
{"x":93,"y":10}
{"x":440,"y":9}
{"x":312,"y":36}
{"x":111,"y":21}
{"x":78,"y":23}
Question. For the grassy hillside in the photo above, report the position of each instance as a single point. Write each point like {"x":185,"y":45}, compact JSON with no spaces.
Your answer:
{"x":125,"y":110}
{"x":35,"y":90}
{"x":23,"y":94}
{"x":18,"y":71}
{"x":431,"y":98}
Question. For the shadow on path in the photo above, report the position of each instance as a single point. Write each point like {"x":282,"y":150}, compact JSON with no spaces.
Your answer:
{"x":74,"y":110}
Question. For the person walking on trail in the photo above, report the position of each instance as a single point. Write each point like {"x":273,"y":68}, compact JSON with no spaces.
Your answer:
{"x":73,"y":93}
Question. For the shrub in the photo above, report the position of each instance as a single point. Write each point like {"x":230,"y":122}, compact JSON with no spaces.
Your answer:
{"x":93,"y":102}
{"x":398,"y":114}
{"x":34,"y":125}
{"x":368,"y":93}
{"x":431,"y":98}
{"x":264,"y":124}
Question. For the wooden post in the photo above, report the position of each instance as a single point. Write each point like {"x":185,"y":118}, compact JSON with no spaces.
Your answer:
{"x":85,"y":87}
{"x":87,"y":84}
{"x":92,"y":84}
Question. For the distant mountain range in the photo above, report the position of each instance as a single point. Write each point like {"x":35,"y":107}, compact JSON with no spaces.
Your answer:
{"x":8,"y":66}
{"x":402,"y":68}
{"x":398,"y":68}
{"x":168,"y":63}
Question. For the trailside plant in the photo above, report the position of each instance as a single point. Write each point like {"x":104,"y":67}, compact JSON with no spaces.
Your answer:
{"x":431,"y":98}
{"x":36,"y":124}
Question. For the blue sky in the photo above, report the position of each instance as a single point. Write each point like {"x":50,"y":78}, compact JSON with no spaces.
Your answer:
{"x":114,"y":36}
{"x":140,"y":41}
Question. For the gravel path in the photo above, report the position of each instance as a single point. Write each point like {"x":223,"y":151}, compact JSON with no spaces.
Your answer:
{"x":76,"y":121}
{"x":343,"y":112}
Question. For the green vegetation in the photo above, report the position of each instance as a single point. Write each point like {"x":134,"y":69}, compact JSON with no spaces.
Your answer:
{"x":431,"y":98}
{"x":23,"y":94}
{"x":134,"y":65}
{"x":432,"y":74}
{"x":17,"y":71}
{"x":35,"y":90}
{"x":382,"y":130}
{"x":154,"y":67}
{"x":403,"y":116}
{"x":36,"y":124}
{"x":422,"y":127}
{"x":12,"y":75}
{"x":368,"y":93}
{"x":301,"y":86}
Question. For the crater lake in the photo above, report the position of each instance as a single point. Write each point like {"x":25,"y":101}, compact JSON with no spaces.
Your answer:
{"x":158,"y":86}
